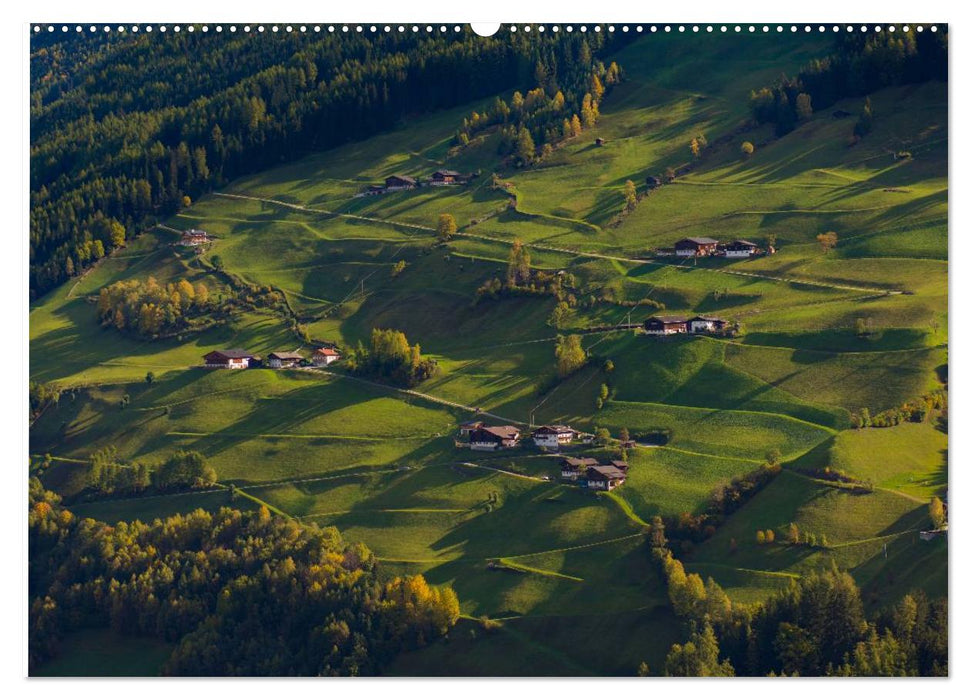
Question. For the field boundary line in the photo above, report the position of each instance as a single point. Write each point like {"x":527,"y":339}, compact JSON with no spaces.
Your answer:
{"x":548,"y":248}
{"x":758,"y":572}
{"x":878,"y":538}
{"x":589,"y":545}
{"x":522,"y":568}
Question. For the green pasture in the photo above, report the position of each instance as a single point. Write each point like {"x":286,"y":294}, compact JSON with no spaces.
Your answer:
{"x":570,"y":566}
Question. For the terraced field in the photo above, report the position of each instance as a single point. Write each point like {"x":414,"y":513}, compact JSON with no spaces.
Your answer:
{"x":560,"y":565}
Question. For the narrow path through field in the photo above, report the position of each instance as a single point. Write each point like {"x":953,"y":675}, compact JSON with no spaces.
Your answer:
{"x":473,"y":465}
{"x":554,"y":249}
{"x":417,"y":394}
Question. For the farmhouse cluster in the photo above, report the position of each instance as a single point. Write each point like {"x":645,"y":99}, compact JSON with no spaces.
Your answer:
{"x":242,"y":359}
{"x":671,"y":325}
{"x":483,"y":437}
{"x":439,"y":178}
{"x":588,"y":472}
{"x":585,"y":472}
{"x":701,"y":247}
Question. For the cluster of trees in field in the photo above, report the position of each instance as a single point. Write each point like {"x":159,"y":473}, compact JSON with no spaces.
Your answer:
{"x":792,"y":536}
{"x":688,"y":529}
{"x":570,"y":355}
{"x":913,"y":411}
{"x":390,"y":357}
{"x":861,"y":64}
{"x":126,"y":128}
{"x":41,"y":396}
{"x":237,"y":593}
{"x":522,"y":280}
{"x":184,"y":469}
{"x":148,"y":309}
{"x":815,"y":627}
{"x":569,"y":85}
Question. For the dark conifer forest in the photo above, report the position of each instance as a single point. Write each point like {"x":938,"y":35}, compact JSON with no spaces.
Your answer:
{"x":126,"y":128}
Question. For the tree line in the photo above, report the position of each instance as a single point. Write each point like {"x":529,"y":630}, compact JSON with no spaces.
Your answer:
{"x":815,"y":627}
{"x":127,"y":128}
{"x":565,"y":101}
{"x":236,"y":593}
{"x":860,"y":64}
{"x":183,"y":469}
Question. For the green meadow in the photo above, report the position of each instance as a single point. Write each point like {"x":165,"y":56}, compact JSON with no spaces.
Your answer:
{"x":558,"y":566}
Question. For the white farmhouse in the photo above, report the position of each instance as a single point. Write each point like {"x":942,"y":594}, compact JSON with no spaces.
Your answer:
{"x":552,"y":436}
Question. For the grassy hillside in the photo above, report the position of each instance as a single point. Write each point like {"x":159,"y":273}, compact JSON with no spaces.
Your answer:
{"x":381,"y":465}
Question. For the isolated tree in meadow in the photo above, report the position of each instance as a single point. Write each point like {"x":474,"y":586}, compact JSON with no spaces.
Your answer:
{"x":630,"y":196}
{"x":398,"y":268}
{"x":936,"y":511}
{"x":769,"y":536}
{"x":827,"y":241}
{"x":560,"y":314}
{"x":570,"y":355}
{"x":760,"y":537}
{"x":602,"y":436}
{"x":217,"y":262}
{"x":695,"y":148}
{"x":773,"y":456}
{"x":864,"y":124}
{"x":150,"y":377}
{"x":623,"y":435}
{"x":518,"y":270}
{"x":747,"y":149}
{"x":804,"y":106}
{"x":446,"y":227}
